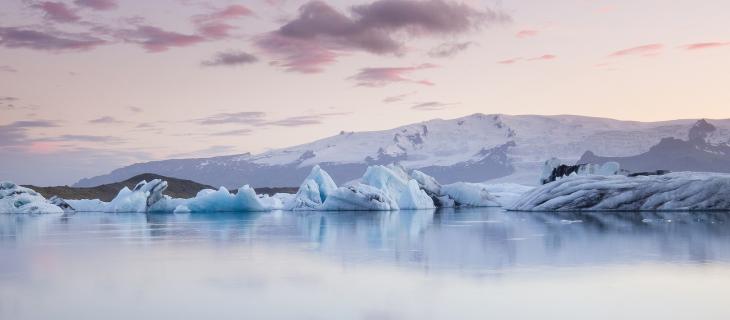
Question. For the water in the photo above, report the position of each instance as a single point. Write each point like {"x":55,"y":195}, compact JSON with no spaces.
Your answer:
{"x":451,"y":264}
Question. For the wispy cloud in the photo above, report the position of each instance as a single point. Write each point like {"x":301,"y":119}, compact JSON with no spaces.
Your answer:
{"x":246,"y":117}
{"x":431,"y":106}
{"x":18,"y":37}
{"x":16,"y":133}
{"x":705,"y":45}
{"x":237,"y":132}
{"x":8,"y":69}
{"x":97,"y":4}
{"x":230,"y":58}
{"x":397,"y":98}
{"x":105,"y":120}
{"x":544,"y":57}
{"x":449,"y":49}
{"x":378,"y":77}
{"x":643,"y":50}
{"x":526,"y":33}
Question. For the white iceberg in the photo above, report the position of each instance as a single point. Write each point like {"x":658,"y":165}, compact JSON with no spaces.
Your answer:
{"x":220,"y":200}
{"x":313,"y":192}
{"x":359,"y":197}
{"x":396,"y":185}
{"x":17,"y":199}
{"x":673,"y":191}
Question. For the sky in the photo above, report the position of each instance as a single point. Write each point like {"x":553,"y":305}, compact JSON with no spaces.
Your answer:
{"x":87,"y":86}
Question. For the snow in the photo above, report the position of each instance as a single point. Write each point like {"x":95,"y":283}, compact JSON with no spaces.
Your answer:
{"x":674,"y":191}
{"x":17,"y":199}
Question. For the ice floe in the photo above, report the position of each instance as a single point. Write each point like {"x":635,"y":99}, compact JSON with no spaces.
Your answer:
{"x":17,"y":199}
{"x":672,"y":191}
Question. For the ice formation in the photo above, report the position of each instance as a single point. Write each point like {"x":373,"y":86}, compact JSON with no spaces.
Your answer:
{"x":553,"y":170}
{"x":17,"y":199}
{"x":395,"y":183}
{"x":313,"y":191}
{"x":220,"y":200}
{"x":673,"y":191}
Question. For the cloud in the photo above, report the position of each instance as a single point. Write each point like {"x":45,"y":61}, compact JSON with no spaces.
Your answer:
{"x":449,"y":49}
{"x":105,"y":120}
{"x":378,"y":77}
{"x":13,"y":37}
{"x":8,"y":99}
{"x":645,"y":50}
{"x":258,"y":119}
{"x":135,"y":109}
{"x":8,"y":69}
{"x":705,"y":45}
{"x":214,"y":25}
{"x":97,"y":4}
{"x":527,"y":33}
{"x":246,"y":117}
{"x":154,"y":39}
{"x":544,"y":57}
{"x":15,"y":133}
{"x":320,"y":33}
{"x":431,"y":106}
{"x":397,"y":98}
{"x":57,"y":11}
{"x":238,"y":132}
{"x":230,"y":58}
{"x":84,"y":138}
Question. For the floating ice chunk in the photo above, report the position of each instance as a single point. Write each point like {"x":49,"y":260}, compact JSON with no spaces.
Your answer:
{"x":222,"y":200}
{"x":359,"y":197}
{"x":17,"y":199}
{"x":405,"y":193}
{"x":469,"y":194}
{"x":313,"y":191}
{"x":144,"y":196}
{"x":553,"y":170}
{"x":673,"y":191}
{"x":59,"y":202}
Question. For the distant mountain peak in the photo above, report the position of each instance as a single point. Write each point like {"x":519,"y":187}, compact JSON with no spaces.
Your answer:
{"x":700,"y":131}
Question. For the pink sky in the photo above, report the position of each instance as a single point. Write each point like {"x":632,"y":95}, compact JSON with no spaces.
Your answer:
{"x":90,"y":85}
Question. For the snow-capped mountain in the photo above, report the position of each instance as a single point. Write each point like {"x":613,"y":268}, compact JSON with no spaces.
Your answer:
{"x":473,"y":148}
{"x":706,"y":149}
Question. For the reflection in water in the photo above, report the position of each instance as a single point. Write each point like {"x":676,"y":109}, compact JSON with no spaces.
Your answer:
{"x":448,"y":259}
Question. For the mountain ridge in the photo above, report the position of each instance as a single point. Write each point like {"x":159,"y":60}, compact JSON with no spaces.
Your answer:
{"x":477,"y":147}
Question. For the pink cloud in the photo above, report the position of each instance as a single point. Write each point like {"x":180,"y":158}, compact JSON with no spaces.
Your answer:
{"x":58,"y":11}
{"x":645,"y":50}
{"x":299,"y":55}
{"x":378,"y":77}
{"x":705,"y":45}
{"x":214,"y":25}
{"x":526,"y":33}
{"x":544,"y":57}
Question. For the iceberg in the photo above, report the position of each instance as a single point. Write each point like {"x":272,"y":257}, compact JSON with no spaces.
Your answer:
{"x":17,"y":199}
{"x":672,"y":191}
{"x":313,"y":192}
{"x":220,"y":200}
{"x":394,"y":182}
{"x":469,"y":194}
{"x":359,"y":197}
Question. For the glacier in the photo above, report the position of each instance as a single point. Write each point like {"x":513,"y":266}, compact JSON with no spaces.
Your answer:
{"x":684,"y":191}
{"x":17,"y":199}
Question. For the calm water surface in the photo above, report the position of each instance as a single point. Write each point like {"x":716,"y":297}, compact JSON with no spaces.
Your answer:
{"x":452,"y":264}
